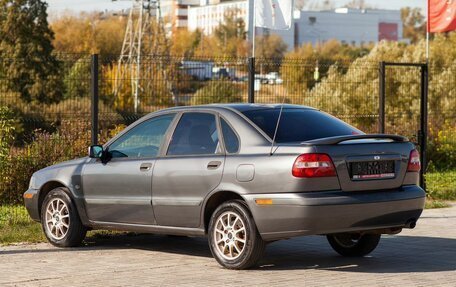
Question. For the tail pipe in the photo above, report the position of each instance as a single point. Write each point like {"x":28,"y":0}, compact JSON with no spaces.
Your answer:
{"x":411,"y":223}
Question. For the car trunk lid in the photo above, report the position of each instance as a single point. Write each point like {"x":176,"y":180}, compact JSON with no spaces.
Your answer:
{"x":367,"y":162}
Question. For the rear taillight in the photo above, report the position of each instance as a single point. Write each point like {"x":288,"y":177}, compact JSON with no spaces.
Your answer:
{"x":414,"y":163}
{"x":313,"y":165}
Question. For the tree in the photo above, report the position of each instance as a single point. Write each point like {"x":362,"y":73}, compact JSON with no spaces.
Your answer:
{"x":184,"y":42}
{"x":89,"y":33}
{"x":77,"y":80}
{"x":208,"y":47}
{"x":26,"y":39}
{"x":414,"y":25}
{"x":270,"y":46}
{"x":308,"y":59}
{"x":72,"y":34}
{"x":231,"y":35}
{"x":270,"y":50}
{"x":217,"y":91}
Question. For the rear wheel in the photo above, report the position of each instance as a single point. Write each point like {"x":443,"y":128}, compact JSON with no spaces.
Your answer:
{"x":233,"y":238}
{"x":60,"y":219}
{"x":353,"y":244}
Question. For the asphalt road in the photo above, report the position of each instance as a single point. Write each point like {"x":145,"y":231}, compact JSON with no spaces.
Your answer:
{"x":424,"y":256}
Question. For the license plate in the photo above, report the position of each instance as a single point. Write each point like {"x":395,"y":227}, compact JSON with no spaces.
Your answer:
{"x":372,"y":169}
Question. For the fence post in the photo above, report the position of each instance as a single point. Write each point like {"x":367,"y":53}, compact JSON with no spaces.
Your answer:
{"x":423,"y":123}
{"x":251,"y":80}
{"x":94,"y":96}
{"x":381,"y":97}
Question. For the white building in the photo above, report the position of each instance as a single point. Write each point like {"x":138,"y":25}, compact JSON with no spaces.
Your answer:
{"x":209,"y":15}
{"x":175,"y":12}
{"x":351,"y":26}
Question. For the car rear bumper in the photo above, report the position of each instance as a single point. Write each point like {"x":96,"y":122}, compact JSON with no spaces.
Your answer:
{"x":31,"y":203}
{"x":295,"y":214}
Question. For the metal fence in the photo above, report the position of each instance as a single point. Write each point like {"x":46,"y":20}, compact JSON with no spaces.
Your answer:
{"x":44,"y":131}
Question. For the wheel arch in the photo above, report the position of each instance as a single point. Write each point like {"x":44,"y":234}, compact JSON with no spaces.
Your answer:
{"x":46,"y":188}
{"x":214,"y":201}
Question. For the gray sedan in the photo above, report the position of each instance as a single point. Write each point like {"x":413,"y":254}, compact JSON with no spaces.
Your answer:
{"x":243,"y":175}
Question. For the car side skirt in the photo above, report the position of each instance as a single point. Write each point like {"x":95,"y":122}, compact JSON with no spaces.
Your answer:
{"x":169,"y":230}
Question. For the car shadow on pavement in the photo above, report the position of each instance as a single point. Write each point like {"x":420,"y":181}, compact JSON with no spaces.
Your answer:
{"x":192,"y":246}
{"x":186,"y":245}
{"x":395,"y":254}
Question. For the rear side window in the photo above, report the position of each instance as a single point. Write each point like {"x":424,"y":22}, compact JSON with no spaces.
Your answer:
{"x":195,"y":134}
{"x":298,"y":125}
{"x":231,"y":140}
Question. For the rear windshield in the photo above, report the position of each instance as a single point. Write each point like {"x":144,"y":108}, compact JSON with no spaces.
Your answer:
{"x":298,"y":125}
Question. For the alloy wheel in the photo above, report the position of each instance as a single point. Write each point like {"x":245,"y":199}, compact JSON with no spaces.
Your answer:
{"x":230,"y":235}
{"x":57,"y":218}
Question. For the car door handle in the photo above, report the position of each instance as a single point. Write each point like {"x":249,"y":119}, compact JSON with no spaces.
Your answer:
{"x":214,"y":164}
{"x":145,"y":166}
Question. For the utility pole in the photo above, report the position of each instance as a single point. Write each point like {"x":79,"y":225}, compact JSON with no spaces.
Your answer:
{"x":143,"y":39}
{"x":129,"y":63}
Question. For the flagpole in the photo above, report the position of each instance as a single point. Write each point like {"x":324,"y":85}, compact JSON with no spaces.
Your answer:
{"x":251,"y":60}
{"x":253,"y":29}
{"x":427,"y":46}
{"x":427,"y":32}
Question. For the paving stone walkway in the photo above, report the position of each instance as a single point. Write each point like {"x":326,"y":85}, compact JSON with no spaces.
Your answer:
{"x":424,"y":256}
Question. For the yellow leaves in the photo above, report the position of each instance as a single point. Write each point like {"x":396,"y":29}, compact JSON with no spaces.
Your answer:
{"x":184,"y":42}
{"x":117,"y":129}
{"x":88,"y":33}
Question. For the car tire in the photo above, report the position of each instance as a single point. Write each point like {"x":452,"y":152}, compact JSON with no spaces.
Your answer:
{"x":60,"y":220}
{"x":233,"y":237}
{"x":353,"y":245}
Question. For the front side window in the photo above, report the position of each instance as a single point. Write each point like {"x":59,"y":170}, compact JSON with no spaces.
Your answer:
{"x":144,"y":140}
{"x":230,"y":138}
{"x":196,"y":133}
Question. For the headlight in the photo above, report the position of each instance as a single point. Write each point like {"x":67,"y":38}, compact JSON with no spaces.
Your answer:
{"x":32,"y":184}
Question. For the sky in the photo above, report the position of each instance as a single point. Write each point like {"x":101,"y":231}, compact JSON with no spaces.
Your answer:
{"x":58,"y":6}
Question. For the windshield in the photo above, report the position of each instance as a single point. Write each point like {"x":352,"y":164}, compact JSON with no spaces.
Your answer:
{"x":298,"y":125}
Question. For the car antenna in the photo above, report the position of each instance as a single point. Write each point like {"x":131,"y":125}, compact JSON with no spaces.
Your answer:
{"x":277,"y":125}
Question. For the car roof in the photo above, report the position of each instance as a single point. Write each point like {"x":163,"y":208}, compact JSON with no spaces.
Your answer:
{"x":242,"y":107}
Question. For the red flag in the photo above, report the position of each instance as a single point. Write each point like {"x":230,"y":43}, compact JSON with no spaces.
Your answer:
{"x":441,"y":15}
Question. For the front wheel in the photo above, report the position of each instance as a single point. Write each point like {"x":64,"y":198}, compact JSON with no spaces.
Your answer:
{"x":60,"y":220}
{"x":352,"y":244}
{"x":233,"y":238}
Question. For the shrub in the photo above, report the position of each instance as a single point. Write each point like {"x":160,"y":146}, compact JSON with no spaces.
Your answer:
{"x":441,"y":185}
{"x":68,"y":142}
{"x":48,"y":118}
{"x":6,"y":132}
{"x":442,"y":146}
{"x":218,"y":91}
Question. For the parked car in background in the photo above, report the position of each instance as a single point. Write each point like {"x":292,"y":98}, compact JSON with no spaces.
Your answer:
{"x":200,"y":70}
{"x":273,"y":78}
{"x":239,"y":175}
{"x":223,"y":73}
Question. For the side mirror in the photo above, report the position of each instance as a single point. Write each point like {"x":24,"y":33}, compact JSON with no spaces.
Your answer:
{"x":95,"y":151}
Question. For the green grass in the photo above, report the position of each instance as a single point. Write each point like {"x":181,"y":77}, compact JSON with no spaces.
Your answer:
{"x":431,"y":203}
{"x":16,"y":226}
{"x":441,"y":185}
